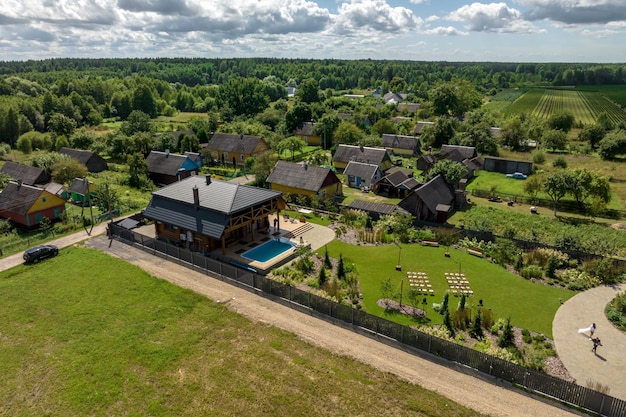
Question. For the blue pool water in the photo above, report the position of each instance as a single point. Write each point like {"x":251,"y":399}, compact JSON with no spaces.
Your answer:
{"x":268,"y":250}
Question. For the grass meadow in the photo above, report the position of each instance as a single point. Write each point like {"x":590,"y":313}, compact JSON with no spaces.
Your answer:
{"x":87,"y":334}
{"x":529,"y":305}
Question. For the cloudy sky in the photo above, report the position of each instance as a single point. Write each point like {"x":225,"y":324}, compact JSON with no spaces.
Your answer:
{"x":429,"y":30}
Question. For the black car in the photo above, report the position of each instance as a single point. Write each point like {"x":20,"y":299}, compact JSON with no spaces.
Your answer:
{"x":37,"y":253}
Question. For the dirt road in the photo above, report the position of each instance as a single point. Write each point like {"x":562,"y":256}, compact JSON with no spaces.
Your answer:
{"x":453,"y":382}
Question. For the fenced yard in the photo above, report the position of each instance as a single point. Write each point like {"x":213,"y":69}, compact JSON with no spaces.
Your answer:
{"x":382,"y":329}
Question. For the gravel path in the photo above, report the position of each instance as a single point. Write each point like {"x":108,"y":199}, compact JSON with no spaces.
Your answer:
{"x":455,"y":382}
{"x":608,"y":365}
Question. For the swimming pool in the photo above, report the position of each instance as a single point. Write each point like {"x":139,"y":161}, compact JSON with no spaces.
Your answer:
{"x":268,"y":250}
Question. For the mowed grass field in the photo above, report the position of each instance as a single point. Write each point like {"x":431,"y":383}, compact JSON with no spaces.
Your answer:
{"x":86,"y":334}
{"x":529,"y":305}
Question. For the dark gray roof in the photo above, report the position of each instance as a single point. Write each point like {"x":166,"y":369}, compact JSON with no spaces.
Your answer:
{"x":230,"y":142}
{"x":164,"y":162}
{"x":401,"y":141}
{"x":302,"y":176}
{"x":435,"y":192}
{"x":396,"y":178}
{"x":218,"y":200}
{"x":81,"y":156}
{"x":18,"y":199}
{"x":305,"y":128}
{"x":381,"y":208}
{"x":467,"y":152}
{"x":405,"y":171}
{"x":347,"y":153}
{"x":410,"y":107}
{"x":79,"y":186}
{"x":26,"y":173}
{"x":361,"y":170}
{"x":420,"y":126}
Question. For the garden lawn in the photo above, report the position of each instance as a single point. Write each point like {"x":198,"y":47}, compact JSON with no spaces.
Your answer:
{"x":87,"y":334}
{"x":529,"y":305}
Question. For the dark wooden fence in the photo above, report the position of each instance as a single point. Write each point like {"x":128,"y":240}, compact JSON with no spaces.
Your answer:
{"x":362,"y":322}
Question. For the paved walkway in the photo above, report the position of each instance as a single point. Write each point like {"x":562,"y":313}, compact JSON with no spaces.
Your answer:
{"x":608,"y":366}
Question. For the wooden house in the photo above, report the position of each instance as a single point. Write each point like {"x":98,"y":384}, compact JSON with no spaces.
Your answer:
{"x":26,"y":174}
{"x":507,"y":166}
{"x":93,"y":161}
{"x":28,"y":205}
{"x":234,"y":149}
{"x":204,"y":214}
{"x":432,"y":202}
{"x":402,"y":145}
{"x":396,"y":184}
{"x":81,"y":191}
{"x":305,"y":132}
{"x":167,"y":168}
{"x":377,"y":210}
{"x":362,"y":175}
{"x":303,"y":179}
{"x":360,"y":153}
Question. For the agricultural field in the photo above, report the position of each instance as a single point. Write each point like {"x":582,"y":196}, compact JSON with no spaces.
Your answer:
{"x":586,"y":106}
{"x":616,"y":93}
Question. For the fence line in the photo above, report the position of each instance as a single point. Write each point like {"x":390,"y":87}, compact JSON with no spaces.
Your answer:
{"x":362,"y":322}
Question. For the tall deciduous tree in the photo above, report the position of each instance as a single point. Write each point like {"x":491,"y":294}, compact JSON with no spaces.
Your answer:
{"x":67,"y":169}
{"x":143,"y":100}
{"x":555,"y":184}
{"x":292,"y":144}
{"x":137,"y":121}
{"x":245,"y":96}
{"x":308,"y":91}
{"x":263,"y":166}
{"x":348,"y":133}
{"x":451,"y":171}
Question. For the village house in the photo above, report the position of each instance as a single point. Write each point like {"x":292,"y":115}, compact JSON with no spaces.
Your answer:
{"x":93,"y":161}
{"x":234,"y":149}
{"x":359,"y":153}
{"x":26,"y":174}
{"x":306,"y":180}
{"x":362,"y":175}
{"x":203,"y":214}
{"x":28,"y":205}
{"x":402,"y":145}
{"x":166,"y":168}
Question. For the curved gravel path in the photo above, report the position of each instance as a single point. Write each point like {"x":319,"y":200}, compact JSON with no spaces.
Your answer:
{"x":608,"y":366}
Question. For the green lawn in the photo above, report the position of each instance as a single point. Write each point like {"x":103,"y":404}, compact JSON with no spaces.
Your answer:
{"x":87,"y":334}
{"x":529,"y":305}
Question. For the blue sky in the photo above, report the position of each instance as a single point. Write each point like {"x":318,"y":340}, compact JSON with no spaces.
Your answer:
{"x":428,"y":30}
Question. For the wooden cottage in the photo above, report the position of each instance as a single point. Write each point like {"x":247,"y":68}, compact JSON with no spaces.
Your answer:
{"x":93,"y":161}
{"x":28,"y":205}
{"x":303,"y":179}
{"x":204,"y":214}
{"x":234,"y":149}
{"x":166,"y":168}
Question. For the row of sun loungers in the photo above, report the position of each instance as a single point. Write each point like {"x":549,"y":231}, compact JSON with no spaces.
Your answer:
{"x":419,"y":281}
{"x":459,"y":284}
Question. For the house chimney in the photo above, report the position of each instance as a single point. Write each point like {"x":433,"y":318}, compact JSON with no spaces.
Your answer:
{"x":241,"y":136}
{"x":305,"y":165}
{"x":167,"y":153}
{"x":19,"y":183}
{"x":196,"y":196}
{"x":361,"y":147}
{"x":208,"y":179}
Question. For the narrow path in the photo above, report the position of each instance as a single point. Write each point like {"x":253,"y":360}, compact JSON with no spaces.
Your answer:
{"x":608,"y":366}
{"x":455,"y":382}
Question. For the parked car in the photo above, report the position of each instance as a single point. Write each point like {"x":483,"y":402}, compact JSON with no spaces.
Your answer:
{"x":37,"y":253}
{"x":517,"y":176}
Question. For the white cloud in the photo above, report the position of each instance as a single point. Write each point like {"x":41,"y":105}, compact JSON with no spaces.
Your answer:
{"x":575,"y":11}
{"x":445,"y":31}
{"x":358,"y":16}
{"x":492,"y":17}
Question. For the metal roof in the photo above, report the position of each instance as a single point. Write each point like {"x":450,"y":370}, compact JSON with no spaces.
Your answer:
{"x":217,"y":196}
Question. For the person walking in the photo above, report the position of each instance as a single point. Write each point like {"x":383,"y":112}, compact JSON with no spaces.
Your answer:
{"x":596,"y":342}
{"x":592,"y":330}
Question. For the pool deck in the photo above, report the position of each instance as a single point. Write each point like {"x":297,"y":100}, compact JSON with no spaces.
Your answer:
{"x":300,"y":233}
